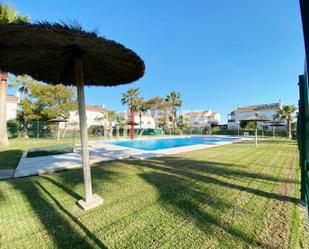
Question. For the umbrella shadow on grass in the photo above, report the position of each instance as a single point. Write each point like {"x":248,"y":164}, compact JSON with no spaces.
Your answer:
{"x":193,"y":205}
{"x":186,"y":168}
{"x":73,"y":179}
{"x":55,"y":217}
{"x":176,"y":180}
{"x":223,"y":169}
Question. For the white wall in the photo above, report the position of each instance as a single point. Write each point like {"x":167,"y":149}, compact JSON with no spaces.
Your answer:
{"x":243,"y":115}
{"x":205,"y":119}
{"x":147,"y":121}
{"x":92,"y":119}
{"x":11,"y":110}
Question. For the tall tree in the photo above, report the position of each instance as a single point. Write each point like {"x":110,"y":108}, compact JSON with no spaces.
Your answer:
{"x":46,"y":102}
{"x":122,"y":123}
{"x":174,"y":99}
{"x":7,"y":15}
{"x":286,"y":113}
{"x":111,"y":117}
{"x":155,"y":105}
{"x":21,"y":82}
{"x":141,"y":107}
{"x":130,"y":98}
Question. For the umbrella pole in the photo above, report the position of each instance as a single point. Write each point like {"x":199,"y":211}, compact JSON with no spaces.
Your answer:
{"x":255,"y":134}
{"x":90,"y":200}
{"x":132,"y":124}
{"x":58,"y":132}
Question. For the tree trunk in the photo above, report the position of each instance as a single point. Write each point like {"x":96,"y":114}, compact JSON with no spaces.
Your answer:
{"x":124,"y":132}
{"x":256,"y":143}
{"x":65,"y":130}
{"x":110,"y":134}
{"x":132,"y":124}
{"x":26,"y":93}
{"x":289,"y":128}
{"x":174,"y":121}
{"x":3,"y":98}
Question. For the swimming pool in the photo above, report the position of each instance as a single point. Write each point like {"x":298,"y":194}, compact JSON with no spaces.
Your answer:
{"x":166,"y":143}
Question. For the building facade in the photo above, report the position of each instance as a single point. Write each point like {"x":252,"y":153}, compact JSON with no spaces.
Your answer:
{"x":146,"y":120}
{"x":95,"y":116}
{"x":264,"y":110}
{"x":11,"y":107}
{"x":202,"y":119}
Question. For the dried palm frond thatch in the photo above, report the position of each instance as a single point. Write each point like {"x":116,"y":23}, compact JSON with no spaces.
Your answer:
{"x":46,"y":52}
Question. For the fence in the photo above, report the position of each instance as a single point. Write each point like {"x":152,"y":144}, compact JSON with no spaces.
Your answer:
{"x":302,"y":136}
{"x":45,"y":129}
{"x":303,"y":113}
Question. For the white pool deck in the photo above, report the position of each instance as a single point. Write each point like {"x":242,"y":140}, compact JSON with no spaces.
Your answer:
{"x":99,"y":152}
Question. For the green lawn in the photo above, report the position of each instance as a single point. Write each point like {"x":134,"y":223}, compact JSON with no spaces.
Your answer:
{"x":233,"y":196}
{"x":9,"y":156}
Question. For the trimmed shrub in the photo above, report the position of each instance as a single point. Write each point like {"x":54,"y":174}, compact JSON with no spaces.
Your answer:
{"x":13,"y":127}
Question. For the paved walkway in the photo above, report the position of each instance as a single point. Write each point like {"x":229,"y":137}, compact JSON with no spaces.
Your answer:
{"x":99,"y":152}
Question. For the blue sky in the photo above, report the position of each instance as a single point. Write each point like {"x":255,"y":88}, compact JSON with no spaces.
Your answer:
{"x":217,"y":54}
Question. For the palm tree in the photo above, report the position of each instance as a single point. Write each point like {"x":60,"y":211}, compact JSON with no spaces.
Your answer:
{"x":22,"y":82}
{"x":142,"y":107}
{"x":286,"y":113}
{"x":130,"y":98}
{"x":111,"y":117}
{"x":7,"y":15}
{"x":122,"y":123}
{"x":174,"y":100}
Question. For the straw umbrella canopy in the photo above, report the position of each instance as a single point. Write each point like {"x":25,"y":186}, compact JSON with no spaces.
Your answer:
{"x":275,"y":124}
{"x":57,"y":53}
{"x":58,"y":120}
{"x":256,"y":118}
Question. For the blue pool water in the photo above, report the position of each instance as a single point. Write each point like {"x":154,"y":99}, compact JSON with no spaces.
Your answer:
{"x":166,"y":143}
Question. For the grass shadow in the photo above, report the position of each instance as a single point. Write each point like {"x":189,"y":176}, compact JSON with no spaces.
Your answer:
{"x":9,"y":158}
{"x":63,"y":187}
{"x":177,"y":168}
{"x":187,"y":203}
{"x":54,"y":217}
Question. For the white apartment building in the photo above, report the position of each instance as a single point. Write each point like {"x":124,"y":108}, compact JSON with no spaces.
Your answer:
{"x":147,"y":121}
{"x":202,"y":119}
{"x":11,"y":107}
{"x":264,"y":110}
{"x":95,"y":116}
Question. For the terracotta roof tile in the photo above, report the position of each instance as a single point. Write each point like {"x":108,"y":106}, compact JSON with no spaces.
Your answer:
{"x":95,"y":108}
{"x":257,"y":107}
{"x":11,"y":99}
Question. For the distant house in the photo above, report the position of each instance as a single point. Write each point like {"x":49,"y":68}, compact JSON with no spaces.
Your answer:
{"x":202,"y":119}
{"x":95,"y":116}
{"x":11,"y":107}
{"x":147,"y":121}
{"x":264,"y":110}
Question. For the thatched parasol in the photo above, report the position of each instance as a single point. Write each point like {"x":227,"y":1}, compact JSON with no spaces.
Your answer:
{"x":275,"y":124}
{"x":256,"y":118}
{"x":58,"y":120}
{"x":58,"y":53}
